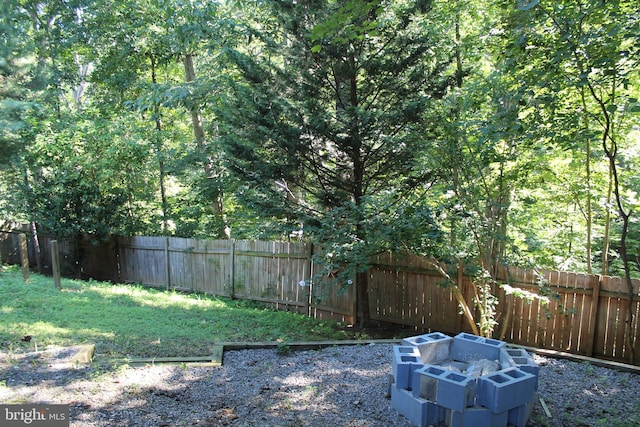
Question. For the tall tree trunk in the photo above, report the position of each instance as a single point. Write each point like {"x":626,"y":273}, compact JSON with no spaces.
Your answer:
{"x":362,"y":277}
{"x":34,"y":228}
{"x":199,"y":134}
{"x":589,"y":213}
{"x":606,"y":244}
{"x":610,"y":147}
{"x":159,"y":151}
{"x":459,"y":136}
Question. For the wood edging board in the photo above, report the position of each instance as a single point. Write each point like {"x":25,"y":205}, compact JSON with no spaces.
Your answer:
{"x":220,"y":347}
{"x":623,"y":367}
{"x":301,"y":345}
{"x":215,"y":359}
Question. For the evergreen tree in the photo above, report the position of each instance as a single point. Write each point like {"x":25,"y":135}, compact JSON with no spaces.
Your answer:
{"x":325,"y":127}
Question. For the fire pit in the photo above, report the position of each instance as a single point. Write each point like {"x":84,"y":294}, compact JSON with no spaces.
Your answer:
{"x":466,"y":380}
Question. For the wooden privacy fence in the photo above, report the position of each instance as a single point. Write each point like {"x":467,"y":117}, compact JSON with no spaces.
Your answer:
{"x":279,"y":274}
{"x":268,"y":272}
{"x":585,"y":315}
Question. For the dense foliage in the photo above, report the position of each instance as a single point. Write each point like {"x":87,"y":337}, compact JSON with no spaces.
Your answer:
{"x":487,"y":132}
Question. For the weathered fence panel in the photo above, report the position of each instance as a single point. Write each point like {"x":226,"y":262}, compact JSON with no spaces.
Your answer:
{"x":199,"y":265}
{"x":268,"y":272}
{"x":271,"y":272}
{"x":330,"y":297}
{"x":10,"y":248}
{"x":143,"y":260}
{"x":586,"y":314}
{"x":332,"y":300}
{"x":612,"y":340}
{"x":557,"y":325}
{"x":410,"y":291}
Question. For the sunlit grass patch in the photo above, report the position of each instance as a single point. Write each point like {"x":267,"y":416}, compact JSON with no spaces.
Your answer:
{"x":131,"y":320}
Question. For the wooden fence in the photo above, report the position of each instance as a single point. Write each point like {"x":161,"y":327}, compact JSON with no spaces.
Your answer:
{"x":585,"y":315}
{"x":278,"y":274}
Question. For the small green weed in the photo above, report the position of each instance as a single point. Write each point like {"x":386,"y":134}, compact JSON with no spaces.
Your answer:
{"x":283,"y":349}
{"x":588,"y":368}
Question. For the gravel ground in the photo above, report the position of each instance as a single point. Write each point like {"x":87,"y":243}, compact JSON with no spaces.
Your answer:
{"x":337,"y":386}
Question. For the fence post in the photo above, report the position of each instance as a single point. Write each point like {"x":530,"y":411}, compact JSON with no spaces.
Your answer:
{"x":167,"y":261}
{"x":24,"y":256}
{"x":55,"y":264}
{"x":310,"y":284}
{"x":232,"y":268}
{"x":594,"y":314}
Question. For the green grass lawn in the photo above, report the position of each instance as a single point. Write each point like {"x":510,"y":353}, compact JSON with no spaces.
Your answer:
{"x":128,"y":320}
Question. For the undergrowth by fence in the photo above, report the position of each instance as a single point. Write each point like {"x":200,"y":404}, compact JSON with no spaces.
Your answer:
{"x":586,"y":313}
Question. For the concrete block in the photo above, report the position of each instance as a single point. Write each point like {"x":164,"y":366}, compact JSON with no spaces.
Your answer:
{"x":406,"y":359}
{"x":467,"y":347}
{"x":451,"y":390}
{"x":519,"y":415}
{"x":420,"y":412}
{"x":476,"y":416}
{"x":433,"y":347}
{"x":462,"y":381}
{"x":505,"y":390}
{"x":519,"y":358}
{"x":425,"y":382}
{"x":506,"y":359}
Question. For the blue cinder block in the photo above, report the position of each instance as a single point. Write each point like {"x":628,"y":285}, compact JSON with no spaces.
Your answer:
{"x":456,"y":391}
{"x":451,"y":390}
{"x":420,"y":412}
{"x":476,"y":416}
{"x":467,"y":347}
{"x":425,"y":382}
{"x":433,"y":347}
{"x":519,"y":415}
{"x":506,"y":359}
{"x":434,"y":381}
{"x":419,"y":339}
{"x":505,"y":389}
{"x":519,"y":358}
{"x":406,"y":359}
{"x":437,"y":336}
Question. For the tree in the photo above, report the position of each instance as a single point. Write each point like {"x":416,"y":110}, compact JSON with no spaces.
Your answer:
{"x":325,"y":126}
{"x":191,"y":27}
{"x":34,"y":41}
{"x":482,"y":159}
{"x":592,"y":48}
{"x":151,"y":68}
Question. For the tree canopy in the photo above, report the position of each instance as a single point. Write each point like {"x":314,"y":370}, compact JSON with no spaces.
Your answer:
{"x":477,"y":133}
